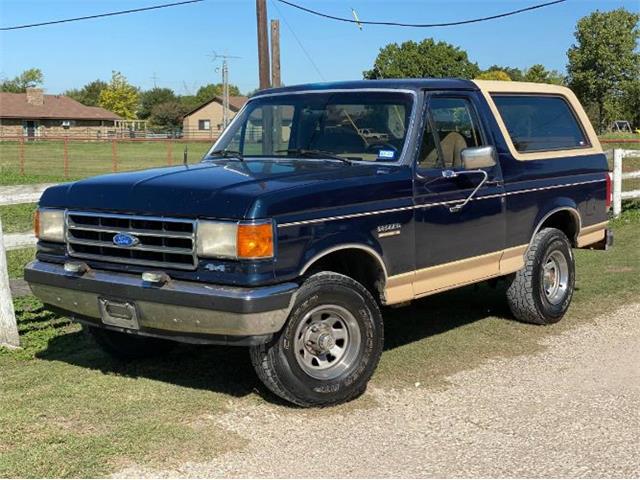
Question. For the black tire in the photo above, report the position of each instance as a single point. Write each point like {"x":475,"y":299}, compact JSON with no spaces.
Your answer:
{"x":528,"y":298}
{"x":284,"y":366}
{"x":125,"y":346}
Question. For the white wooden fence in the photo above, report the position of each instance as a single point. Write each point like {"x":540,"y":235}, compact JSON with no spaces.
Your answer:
{"x":618,"y":195}
{"x":13,"y":195}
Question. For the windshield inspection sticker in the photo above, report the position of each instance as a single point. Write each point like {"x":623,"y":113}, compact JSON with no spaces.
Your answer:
{"x":386,"y":154}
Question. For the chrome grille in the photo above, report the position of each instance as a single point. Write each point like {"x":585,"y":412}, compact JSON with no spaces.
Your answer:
{"x":162,"y":242}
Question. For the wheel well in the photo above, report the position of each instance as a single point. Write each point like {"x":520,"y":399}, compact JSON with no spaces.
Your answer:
{"x":566,"y":221}
{"x":356,"y":263}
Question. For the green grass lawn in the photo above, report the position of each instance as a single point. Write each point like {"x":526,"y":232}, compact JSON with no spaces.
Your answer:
{"x":44,"y":160}
{"x":70,"y":410}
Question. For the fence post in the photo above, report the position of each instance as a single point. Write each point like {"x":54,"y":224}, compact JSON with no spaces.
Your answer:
{"x":114,"y":156}
{"x":21,"y":149}
{"x":66,"y":157}
{"x":8,"y":327}
{"x":169,"y":153}
{"x":617,"y":181}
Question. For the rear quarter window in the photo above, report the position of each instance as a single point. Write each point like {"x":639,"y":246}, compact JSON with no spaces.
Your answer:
{"x":540,"y":122}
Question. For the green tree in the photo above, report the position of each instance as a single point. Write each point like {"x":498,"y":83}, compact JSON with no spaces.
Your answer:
{"x":604,"y":62}
{"x":189,"y":102}
{"x":120,"y":97}
{"x":207,"y":92}
{"x":89,"y":94}
{"x":424,"y":59}
{"x":539,"y":74}
{"x":153,"y":97}
{"x":515,"y":74}
{"x":168,"y":114}
{"x":29,"y":78}
{"x":494,"y":75}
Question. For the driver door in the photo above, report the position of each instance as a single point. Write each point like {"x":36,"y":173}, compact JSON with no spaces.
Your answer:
{"x":455,"y":247}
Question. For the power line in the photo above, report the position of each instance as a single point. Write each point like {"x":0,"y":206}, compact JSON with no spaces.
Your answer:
{"x":304,"y":50}
{"x":419,"y":25}
{"x":110,"y":14}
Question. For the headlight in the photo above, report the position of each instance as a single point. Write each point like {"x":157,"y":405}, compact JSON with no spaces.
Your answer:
{"x":49,"y":224}
{"x":235,"y":240}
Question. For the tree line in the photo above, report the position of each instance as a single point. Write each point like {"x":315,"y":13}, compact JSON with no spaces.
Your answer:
{"x":603,"y":66}
{"x":603,"y":69}
{"x":162,"y":107}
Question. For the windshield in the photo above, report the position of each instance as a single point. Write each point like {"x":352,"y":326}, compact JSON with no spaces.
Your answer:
{"x":369,"y":126}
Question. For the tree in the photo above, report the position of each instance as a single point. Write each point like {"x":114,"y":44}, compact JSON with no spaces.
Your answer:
{"x":604,"y":61}
{"x":89,"y":94}
{"x":515,"y":74}
{"x":27,"y":79}
{"x":494,"y":75}
{"x":168,"y":114}
{"x":207,"y":92}
{"x":189,"y":102}
{"x":153,"y":97}
{"x":419,"y":60}
{"x":120,"y":96}
{"x":539,"y":74}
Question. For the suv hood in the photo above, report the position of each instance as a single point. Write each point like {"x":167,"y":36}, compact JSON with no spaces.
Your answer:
{"x":227,"y":189}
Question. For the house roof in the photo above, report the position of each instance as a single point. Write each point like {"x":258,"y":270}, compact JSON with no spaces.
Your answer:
{"x":236,"y":102}
{"x":14,"y":105}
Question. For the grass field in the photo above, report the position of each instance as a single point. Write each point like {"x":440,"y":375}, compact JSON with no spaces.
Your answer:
{"x":44,"y":160}
{"x":70,"y":410}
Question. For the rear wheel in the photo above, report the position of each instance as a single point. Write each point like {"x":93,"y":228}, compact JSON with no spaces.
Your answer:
{"x":542,"y":291}
{"x":329,"y":347}
{"x":125,"y":346}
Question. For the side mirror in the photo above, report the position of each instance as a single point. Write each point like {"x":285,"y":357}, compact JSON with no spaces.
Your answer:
{"x":475,"y":158}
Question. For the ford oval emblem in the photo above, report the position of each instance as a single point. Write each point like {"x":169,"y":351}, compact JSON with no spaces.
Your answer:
{"x":125,"y":240}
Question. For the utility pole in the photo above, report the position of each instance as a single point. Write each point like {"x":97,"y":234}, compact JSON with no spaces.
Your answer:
{"x":275,"y":53}
{"x":225,"y":94}
{"x":225,"y":85}
{"x":263,"y":43}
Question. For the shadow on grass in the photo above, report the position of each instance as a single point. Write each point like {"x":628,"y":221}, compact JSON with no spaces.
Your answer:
{"x":228,"y":370}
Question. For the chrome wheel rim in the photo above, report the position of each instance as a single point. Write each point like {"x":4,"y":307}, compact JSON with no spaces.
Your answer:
{"x":327,"y":342}
{"x":555,"y":277}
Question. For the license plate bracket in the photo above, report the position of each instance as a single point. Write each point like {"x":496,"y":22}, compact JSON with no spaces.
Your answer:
{"x":117,"y":313}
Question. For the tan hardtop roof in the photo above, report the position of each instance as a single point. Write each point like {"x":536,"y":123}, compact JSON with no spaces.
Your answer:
{"x":498,"y":86}
{"x":488,"y":87}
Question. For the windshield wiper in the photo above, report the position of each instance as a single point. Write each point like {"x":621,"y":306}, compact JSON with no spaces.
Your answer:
{"x":301,"y":152}
{"x":227,"y":154}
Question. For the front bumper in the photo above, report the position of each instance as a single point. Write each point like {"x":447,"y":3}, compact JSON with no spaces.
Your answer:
{"x":184,"y":311}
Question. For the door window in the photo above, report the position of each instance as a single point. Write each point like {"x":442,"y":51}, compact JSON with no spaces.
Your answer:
{"x":452,"y":126}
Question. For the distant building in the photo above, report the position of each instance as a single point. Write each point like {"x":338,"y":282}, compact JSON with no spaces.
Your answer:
{"x":206,"y":120}
{"x":34,"y":114}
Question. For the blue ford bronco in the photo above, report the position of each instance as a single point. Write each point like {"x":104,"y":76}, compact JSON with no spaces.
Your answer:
{"x":318,"y":205}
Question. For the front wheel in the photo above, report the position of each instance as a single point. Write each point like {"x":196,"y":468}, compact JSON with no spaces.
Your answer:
{"x":542,"y":291}
{"x":329,"y":347}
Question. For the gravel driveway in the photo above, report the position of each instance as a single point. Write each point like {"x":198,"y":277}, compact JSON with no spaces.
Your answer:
{"x":572,"y":410}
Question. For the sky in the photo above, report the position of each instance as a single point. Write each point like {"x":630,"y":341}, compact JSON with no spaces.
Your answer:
{"x":175,"y":47}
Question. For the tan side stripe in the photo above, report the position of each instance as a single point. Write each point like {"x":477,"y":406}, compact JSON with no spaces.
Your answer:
{"x":426,"y":281}
{"x":428,"y":205}
{"x":592,"y":234}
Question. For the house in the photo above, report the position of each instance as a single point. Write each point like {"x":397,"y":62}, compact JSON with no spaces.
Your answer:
{"x":206,"y":121}
{"x":34,"y":114}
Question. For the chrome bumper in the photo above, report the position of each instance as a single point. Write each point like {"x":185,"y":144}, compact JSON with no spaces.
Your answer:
{"x":185,"y":311}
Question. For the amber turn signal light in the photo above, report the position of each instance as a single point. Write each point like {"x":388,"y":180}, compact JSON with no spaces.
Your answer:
{"x":255,"y":241}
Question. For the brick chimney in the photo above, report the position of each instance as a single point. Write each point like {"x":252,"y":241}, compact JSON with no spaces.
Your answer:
{"x":35,"y":96}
